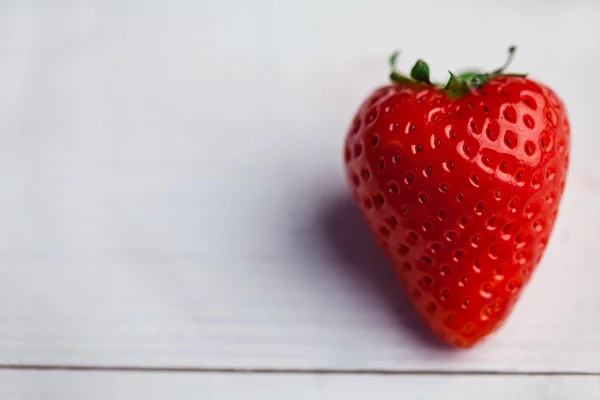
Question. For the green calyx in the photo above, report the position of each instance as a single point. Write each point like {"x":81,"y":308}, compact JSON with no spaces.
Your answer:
{"x":458,"y":85}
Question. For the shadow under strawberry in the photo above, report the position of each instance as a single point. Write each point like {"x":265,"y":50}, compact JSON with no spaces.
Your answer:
{"x":355,"y":249}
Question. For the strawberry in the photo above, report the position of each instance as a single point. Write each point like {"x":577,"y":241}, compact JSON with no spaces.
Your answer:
{"x":461,"y":184}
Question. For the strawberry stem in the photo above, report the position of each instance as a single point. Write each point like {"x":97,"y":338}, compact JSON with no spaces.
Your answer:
{"x":478,"y":80}
{"x":458,"y":85}
{"x":511,"y":55}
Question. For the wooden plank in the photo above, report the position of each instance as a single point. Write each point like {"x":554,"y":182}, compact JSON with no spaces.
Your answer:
{"x":91,"y":386}
{"x":172,"y":191}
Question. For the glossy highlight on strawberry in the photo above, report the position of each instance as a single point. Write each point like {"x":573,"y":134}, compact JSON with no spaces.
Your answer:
{"x":461,"y":185}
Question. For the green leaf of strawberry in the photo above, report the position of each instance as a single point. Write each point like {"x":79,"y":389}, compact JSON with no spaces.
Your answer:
{"x":420,"y":72}
{"x":461,"y":184}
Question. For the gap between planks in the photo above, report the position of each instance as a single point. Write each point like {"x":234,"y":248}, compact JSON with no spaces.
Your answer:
{"x":290,"y":371}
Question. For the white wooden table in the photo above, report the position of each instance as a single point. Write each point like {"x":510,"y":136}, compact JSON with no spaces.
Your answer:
{"x":175,"y":224}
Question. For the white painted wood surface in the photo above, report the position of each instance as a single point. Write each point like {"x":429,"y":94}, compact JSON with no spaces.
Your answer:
{"x":120,"y":386}
{"x":172,"y":191}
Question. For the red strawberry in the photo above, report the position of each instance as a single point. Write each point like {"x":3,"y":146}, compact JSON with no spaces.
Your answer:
{"x":461,"y":185}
